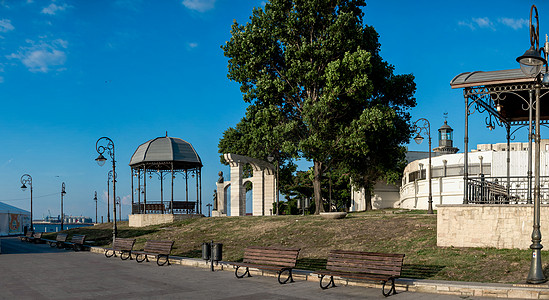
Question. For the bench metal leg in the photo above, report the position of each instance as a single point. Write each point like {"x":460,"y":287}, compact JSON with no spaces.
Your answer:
{"x":125,"y":255}
{"x":158,"y":260}
{"x":107,"y":253}
{"x":143,"y":259}
{"x":392,"y":291}
{"x":330,"y":283}
{"x":289,"y":276}
{"x":245,"y":273}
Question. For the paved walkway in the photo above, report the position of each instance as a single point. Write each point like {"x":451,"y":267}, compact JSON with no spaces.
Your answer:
{"x":31,"y":271}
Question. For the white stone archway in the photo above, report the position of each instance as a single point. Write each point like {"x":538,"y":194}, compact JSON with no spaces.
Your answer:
{"x":263,"y":182}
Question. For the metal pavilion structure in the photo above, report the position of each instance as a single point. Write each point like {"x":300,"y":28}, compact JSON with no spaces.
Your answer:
{"x":159,"y":158}
{"x":511,"y":100}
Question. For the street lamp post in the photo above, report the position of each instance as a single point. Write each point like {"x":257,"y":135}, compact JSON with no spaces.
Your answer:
{"x":95,"y":199}
{"x":109,"y":177}
{"x":27,"y":179}
{"x":271,"y":158}
{"x":62,"y":214}
{"x":531,"y":63}
{"x":109,"y":149}
{"x":425,"y":126}
{"x":119,"y":203}
{"x":209,"y":205}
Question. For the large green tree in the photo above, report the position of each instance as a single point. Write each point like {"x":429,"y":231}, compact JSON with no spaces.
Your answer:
{"x":312,"y":70}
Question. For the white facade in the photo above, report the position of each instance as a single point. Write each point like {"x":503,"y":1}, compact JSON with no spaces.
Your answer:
{"x":447,"y":178}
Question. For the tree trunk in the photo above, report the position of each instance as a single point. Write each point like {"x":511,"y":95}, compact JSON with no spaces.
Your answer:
{"x":317,"y":187}
{"x":368,"y":188}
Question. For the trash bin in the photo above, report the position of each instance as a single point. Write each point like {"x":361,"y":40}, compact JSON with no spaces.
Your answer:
{"x":217,"y":252}
{"x":206,"y":251}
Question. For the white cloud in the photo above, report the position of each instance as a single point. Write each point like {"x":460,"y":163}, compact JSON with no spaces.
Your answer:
{"x":483,"y":22}
{"x":514,"y":23}
{"x":42,"y":56}
{"x":192,"y":45}
{"x":5,"y":25}
{"x":478,"y":22}
{"x":53,"y":8}
{"x":466,"y":24}
{"x":199,"y":5}
{"x":127,"y":200}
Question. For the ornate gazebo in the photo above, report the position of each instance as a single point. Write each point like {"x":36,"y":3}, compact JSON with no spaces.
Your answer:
{"x":159,"y":158}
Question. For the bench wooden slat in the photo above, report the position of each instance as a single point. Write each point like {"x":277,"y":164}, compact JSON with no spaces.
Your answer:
{"x":363,"y":265}
{"x":61,"y":237}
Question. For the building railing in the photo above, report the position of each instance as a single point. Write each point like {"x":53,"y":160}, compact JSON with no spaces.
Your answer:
{"x":159,"y":207}
{"x":495,"y":190}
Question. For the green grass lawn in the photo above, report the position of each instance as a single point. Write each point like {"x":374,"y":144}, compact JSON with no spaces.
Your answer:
{"x":410,"y":232}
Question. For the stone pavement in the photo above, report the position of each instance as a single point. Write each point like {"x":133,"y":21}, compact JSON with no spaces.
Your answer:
{"x":30,"y":271}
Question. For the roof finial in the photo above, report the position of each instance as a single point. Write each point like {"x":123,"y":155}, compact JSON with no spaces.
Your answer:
{"x":166,"y":133}
{"x":445,"y":117}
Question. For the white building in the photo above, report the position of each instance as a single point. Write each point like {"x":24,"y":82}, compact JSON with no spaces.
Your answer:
{"x":487,"y":164}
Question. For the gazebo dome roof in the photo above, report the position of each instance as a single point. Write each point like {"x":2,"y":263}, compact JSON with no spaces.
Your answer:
{"x":161,"y":152}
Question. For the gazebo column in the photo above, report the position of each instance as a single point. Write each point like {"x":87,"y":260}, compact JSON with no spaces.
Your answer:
{"x":131,"y":175}
{"x":139,"y":189}
{"x":508,"y":130}
{"x":529,"y":174}
{"x":171,"y":210}
{"x":162,"y":191}
{"x":465,"y":152}
{"x":145,"y":188}
{"x":199,"y":208}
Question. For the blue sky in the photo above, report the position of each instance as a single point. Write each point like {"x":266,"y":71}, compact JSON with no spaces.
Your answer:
{"x":73,"y":71}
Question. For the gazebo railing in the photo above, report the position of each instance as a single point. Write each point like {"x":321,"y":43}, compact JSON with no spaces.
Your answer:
{"x":494,"y":190}
{"x":159,"y":207}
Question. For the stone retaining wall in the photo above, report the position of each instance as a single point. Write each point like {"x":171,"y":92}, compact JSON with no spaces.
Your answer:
{"x":490,"y":225}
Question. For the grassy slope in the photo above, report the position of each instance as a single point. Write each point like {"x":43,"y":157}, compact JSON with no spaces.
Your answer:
{"x":381,"y":231}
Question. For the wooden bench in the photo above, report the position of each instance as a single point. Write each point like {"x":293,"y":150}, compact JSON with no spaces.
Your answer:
{"x":60,"y":240}
{"x":124,"y":246}
{"x":363,"y":265}
{"x":35,"y":238}
{"x":157,"y":248}
{"x":26,"y":237}
{"x":76,"y":243}
{"x":268,"y":258}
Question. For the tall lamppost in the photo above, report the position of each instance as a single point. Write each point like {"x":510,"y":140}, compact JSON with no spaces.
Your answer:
{"x":27,"y":179}
{"x":531,"y":63}
{"x":271,"y":158}
{"x":119,"y":203}
{"x":62,"y":195}
{"x":425,"y":126}
{"x":209,"y":205}
{"x":109,"y":149}
{"x":109,"y":178}
{"x":95,"y":199}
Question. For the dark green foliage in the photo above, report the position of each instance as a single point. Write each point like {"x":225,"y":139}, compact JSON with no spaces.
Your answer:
{"x":318,"y":89}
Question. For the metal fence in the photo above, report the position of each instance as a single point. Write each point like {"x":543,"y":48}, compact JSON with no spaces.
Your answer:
{"x":495,"y":190}
{"x":159,"y":207}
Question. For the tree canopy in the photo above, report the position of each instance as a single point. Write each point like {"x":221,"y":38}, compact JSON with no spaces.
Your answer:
{"x":318,"y":89}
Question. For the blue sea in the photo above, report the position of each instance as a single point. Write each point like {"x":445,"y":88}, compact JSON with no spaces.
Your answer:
{"x":56,"y":227}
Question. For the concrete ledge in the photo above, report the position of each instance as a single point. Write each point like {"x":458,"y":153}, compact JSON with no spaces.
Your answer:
{"x":459,"y":288}
{"x":142,"y":220}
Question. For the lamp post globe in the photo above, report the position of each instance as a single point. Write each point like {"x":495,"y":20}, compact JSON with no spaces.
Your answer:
{"x":101,"y":160}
